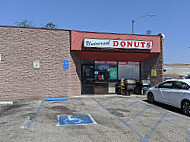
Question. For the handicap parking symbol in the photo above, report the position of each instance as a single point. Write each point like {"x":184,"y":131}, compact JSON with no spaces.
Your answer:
{"x":75,"y":120}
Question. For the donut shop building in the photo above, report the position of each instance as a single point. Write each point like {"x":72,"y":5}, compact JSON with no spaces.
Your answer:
{"x":107,"y":58}
{"x":39,"y":63}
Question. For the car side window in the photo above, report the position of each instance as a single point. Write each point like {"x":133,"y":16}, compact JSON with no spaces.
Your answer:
{"x":177,"y":85}
{"x":185,"y":86}
{"x":180,"y":85}
{"x":167,"y":84}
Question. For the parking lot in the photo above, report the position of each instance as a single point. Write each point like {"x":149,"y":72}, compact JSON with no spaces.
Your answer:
{"x":118,"y":118}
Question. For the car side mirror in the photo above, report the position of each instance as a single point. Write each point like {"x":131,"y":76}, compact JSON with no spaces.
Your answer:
{"x":156,"y":86}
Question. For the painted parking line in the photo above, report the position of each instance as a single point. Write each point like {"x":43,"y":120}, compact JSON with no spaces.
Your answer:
{"x":136,"y":115}
{"x":180,"y":116}
{"x":188,"y":136}
{"x":152,"y":130}
{"x":129,"y":126}
{"x":177,"y":125}
{"x":181,"y":127}
{"x":147,"y":136}
{"x":36,"y":114}
{"x":163,"y":110}
{"x":23,"y":125}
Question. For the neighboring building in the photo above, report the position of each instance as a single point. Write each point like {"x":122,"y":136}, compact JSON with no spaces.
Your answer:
{"x":39,"y":63}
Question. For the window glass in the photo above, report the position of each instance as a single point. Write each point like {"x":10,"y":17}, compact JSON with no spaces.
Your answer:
{"x":177,"y":85}
{"x":87,"y":71}
{"x":166,"y":85}
{"x":180,"y":85}
{"x":105,"y":72}
{"x":185,"y":86}
{"x":129,"y":71}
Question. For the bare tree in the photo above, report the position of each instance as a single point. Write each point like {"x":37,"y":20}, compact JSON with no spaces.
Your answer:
{"x":50,"y":25}
{"x":25,"y":23}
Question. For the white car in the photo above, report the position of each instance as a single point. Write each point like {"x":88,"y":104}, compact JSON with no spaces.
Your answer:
{"x":175,"y":92}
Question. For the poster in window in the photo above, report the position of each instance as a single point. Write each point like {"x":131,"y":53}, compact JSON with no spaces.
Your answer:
{"x":113,"y":73}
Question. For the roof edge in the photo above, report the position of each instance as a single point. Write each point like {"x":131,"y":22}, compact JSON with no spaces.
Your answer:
{"x":76,"y":30}
{"x":32,"y":28}
{"x":114,"y":33}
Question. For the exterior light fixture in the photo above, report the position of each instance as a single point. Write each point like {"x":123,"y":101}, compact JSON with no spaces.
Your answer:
{"x":133,"y":21}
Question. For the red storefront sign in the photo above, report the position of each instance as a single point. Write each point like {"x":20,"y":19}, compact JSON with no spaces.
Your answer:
{"x":113,"y":43}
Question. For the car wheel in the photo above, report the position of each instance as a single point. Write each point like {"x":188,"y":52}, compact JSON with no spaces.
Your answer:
{"x":186,"y":107}
{"x":150,"y":97}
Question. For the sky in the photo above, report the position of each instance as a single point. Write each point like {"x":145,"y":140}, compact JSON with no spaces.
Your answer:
{"x":112,"y":16}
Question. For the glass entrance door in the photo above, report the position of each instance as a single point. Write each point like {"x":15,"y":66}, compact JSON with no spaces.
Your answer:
{"x":87,"y":79}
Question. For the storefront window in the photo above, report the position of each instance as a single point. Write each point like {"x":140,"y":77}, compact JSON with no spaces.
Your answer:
{"x":112,"y":71}
{"x":127,"y":71}
{"x":105,"y":72}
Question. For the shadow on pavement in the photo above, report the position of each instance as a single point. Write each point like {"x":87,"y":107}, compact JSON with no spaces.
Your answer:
{"x":165,"y":106}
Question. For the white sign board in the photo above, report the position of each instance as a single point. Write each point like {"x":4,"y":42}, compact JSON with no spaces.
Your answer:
{"x":115,"y":44}
{"x":36,"y":64}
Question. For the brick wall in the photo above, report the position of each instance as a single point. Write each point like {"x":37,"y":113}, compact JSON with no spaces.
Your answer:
{"x":20,"y":47}
{"x":155,"y":63}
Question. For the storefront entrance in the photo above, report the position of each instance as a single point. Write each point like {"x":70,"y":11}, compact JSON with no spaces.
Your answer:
{"x":101,"y":77}
{"x":105,"y":77}
{"x":87,"y":79}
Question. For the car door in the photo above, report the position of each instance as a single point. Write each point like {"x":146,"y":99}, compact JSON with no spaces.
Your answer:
{"x":177,"y":93}
{"x":164,"y":89}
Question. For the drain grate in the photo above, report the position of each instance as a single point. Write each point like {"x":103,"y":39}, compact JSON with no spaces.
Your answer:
{"x":75,"y":120}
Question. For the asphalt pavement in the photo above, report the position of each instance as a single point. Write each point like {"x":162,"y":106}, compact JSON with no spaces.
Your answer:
{"x":118,"y":119}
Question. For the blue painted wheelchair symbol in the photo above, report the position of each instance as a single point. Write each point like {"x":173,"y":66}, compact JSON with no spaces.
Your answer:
{"x":75,"y":119}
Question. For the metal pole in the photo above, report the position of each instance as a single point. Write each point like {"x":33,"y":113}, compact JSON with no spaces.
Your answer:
{"x":133,"y":23}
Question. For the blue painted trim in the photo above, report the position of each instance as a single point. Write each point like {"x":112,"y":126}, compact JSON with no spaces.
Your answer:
{"x":130,"y":127}
{"x":155,"y":126}
{"x":36,"y":114}
{"x":56,"y":99}
{"x":136,"y":115}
